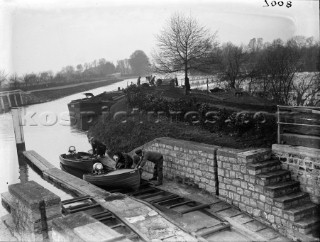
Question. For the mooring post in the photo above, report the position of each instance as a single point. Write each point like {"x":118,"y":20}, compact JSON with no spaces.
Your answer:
{"x":9,"y":101}
{"x":2,"y":103}
{"x":18,"y":129}
{"x":21,"y":100}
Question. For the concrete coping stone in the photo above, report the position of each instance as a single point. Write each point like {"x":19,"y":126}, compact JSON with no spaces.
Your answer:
{"x":191,"y":145}
{"x":302,"y":151}
{"x":187,"y":144}
{"x":228,"y":152}
{"x":31,"y":194}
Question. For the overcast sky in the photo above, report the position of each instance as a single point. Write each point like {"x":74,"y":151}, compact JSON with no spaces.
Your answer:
{"x":47,"y":35}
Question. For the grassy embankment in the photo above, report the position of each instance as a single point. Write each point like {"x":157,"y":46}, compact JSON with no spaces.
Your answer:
{"x":230,"y":130}
{"x":49,"y":94}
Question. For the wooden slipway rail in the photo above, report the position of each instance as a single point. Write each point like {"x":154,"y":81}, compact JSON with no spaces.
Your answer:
{"x":177,"y":207}
{"x":89,"y":205}
{"x":114,"y":209}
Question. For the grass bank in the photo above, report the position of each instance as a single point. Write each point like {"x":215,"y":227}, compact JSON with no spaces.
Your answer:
{"x":49,"y":94}
{"x":226,"y":127}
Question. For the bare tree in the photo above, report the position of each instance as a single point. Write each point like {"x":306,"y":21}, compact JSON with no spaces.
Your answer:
{"x":306,"y":87}
{"x":30,"y":79}
{"x":3,"y":77}
{"x":183,"y":45}
{"x":232,"y":60}
{"x":14,"y":80}
{"x":278,"y":65}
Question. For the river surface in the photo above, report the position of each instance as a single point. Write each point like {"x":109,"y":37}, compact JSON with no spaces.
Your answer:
{"x":47,"y":131}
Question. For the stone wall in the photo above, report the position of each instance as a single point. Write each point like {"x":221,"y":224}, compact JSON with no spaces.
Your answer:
{"x":253,"y":181}
{"x":238,"y":184}
{"x":304,"y":164}
{"x":32,"y":209}
{"x":188,"y":162}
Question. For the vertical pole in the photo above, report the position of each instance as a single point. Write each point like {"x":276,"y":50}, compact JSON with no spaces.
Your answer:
{"x":21,"y":100}
{"x":9,"y":101}
{"x":278,"y":119}
{"x":15,"y":100}
{"x":18,"y":129}
{"x":2,"y":103}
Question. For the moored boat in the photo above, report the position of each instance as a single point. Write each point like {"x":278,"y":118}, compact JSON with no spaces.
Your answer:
{"x":78,"y":160}
{"x":83,"y":112}
{"x":109,"y":177}
{"x":123,"y":178}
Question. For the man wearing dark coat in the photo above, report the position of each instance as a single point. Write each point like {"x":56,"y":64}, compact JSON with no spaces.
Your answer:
{"x":157,"y":159}
{"x":123,"y":160}
{"x":98,"y":148}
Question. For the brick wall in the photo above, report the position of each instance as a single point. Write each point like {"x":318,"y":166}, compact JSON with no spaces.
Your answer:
{"x":304,"y":164}
{"x":188,"y":162}
{"x":251,"y":180}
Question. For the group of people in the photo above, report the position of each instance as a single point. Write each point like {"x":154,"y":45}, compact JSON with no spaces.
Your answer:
{"x":125,"y":161}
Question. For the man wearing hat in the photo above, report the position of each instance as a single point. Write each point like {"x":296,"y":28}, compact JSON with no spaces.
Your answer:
{"x":97,"y":147}
{"x":157,"y":159}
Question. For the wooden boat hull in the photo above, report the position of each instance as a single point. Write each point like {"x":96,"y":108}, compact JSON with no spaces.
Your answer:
{"x":124,"y":178}
{"x":73,"y":171}
{"x":84,"y":161}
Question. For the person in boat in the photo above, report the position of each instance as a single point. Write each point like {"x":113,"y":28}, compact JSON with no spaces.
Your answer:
{"x":157,"y":159}
{"x":97,"y":168}
{"x":98,"y":148}
{"x":123,"y":160}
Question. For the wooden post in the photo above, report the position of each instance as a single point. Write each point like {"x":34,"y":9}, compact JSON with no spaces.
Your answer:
{"x":279,"y":129}
{"x":15,"y":99}
{"x":9,"y":101}
{"x":2,"y":103}
{"x":21,"y":100}
{"x":18,"y":129}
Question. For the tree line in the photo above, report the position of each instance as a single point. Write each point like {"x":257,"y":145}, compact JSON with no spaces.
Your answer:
{"x":137,"y":64}
{"x":271,"y":68}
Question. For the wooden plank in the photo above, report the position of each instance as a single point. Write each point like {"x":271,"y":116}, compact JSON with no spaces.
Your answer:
{"x":41,"y":163}
{"x":117,"y":225}
{"x":140,"y":192}
{"x":73,"y":200}
{"x":301,"y":140}
{"x":162,"y":199}
{"x":180,"y":204}
{"x":304,"y":130}
{"x":84,"y":208}
{"x":300,"y":118}
{"x":100,"y":213}
{"x":150,"y":195}
{"x":188,"y":210}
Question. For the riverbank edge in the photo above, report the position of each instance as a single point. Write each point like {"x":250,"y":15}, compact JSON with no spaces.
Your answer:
{"x":33,"y":97}
{"x":50,"y":95}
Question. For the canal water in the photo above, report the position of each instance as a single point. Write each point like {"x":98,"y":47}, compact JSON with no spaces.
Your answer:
{"x":47,"y":131}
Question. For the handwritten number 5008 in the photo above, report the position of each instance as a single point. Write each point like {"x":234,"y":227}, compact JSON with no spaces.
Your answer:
{"x":279,"y":3}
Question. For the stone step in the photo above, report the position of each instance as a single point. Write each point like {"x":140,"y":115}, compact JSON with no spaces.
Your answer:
{"x":291,"y":200}
{"x":281,"y":189}
{"x":263,"y":166}
{"x":273,"y":177}
{"x":302,"y":211}
{"x":309,"y":225}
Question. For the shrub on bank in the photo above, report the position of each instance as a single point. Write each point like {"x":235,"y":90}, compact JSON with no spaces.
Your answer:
{"x":195,"y":113}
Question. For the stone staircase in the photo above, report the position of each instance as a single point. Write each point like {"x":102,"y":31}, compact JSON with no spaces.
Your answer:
{"x":286,"y":206}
